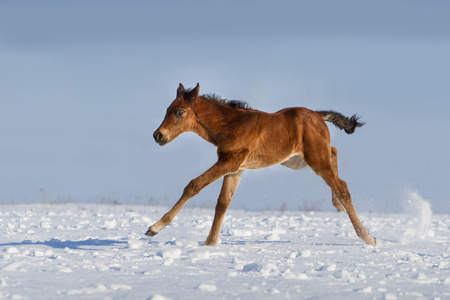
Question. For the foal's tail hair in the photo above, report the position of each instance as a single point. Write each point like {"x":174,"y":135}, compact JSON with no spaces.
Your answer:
{"x":341,"y":121}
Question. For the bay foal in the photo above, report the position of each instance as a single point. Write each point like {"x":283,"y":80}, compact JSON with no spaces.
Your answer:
{"x":250,"y":139}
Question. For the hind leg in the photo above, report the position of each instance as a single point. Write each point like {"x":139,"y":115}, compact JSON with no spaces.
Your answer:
{"x":340,"y":190}
{"x":322,"y":165}
{"x":335,"y":199}
{"x":344,"y":195}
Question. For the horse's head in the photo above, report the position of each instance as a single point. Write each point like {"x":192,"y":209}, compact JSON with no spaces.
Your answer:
{"x":179,"y":116}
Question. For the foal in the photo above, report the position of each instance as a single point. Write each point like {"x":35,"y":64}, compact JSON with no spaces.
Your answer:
{"x":250,"y":139}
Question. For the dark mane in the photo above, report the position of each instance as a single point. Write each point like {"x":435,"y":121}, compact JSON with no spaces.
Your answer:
{"x":231,"y":103}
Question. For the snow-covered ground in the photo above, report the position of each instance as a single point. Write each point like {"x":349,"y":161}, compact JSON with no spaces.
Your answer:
{"x":94,"y":251}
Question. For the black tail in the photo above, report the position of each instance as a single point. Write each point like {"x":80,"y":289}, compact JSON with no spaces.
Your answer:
{"x":341,"y":121}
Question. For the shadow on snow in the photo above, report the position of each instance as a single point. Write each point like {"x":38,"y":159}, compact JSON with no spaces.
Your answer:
{"x":58,"y":244}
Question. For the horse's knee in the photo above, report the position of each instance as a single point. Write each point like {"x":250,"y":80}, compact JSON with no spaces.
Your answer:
{"x":222,"y":206}
{"x":192,"y":189}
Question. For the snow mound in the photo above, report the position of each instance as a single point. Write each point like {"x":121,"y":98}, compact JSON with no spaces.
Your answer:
{"x":170,"y":253}
{"x":206,"y":287}
{"x":158,"y":297}
{"x":239,"y":232}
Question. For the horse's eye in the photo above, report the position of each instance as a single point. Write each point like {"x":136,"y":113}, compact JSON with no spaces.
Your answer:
{"x":179,"y":113}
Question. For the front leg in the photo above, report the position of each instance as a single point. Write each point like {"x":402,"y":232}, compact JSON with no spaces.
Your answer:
{"x":230,"y":183}
{"x":227,"y":163}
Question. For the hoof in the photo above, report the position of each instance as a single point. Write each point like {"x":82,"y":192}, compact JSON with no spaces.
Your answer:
{"x":209,"y":244}
{"x":150,"y":232}
{"x":377,"y":243}
{"x":373,"y":242}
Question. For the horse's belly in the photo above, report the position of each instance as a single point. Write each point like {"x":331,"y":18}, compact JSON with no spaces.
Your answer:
{"x":295,"y":162}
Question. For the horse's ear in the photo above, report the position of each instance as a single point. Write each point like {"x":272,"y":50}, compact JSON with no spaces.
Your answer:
{"x":180,"y":90}
{"x":195,"y":91}
{"x":192,"y":95}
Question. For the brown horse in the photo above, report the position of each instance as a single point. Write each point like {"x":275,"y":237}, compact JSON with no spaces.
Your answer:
{"x":250,"y":139}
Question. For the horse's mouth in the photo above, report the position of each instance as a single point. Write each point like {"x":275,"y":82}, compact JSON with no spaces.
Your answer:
{"x":162,"y":142}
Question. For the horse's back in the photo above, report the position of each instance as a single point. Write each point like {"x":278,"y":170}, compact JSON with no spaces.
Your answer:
{"x":302,"y":118}
{"x":306,"y":125}
{"x":302,"y":113}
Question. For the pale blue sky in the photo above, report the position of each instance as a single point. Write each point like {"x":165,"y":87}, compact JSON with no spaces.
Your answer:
{"x":84,"y":84}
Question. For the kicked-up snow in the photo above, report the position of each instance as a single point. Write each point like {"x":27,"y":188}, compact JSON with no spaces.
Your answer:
{"x":93,"y":251}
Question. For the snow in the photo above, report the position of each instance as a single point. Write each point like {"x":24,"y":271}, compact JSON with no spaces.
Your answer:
{"x":94,"y":251}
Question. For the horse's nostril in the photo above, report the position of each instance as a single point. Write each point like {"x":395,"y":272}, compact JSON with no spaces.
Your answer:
{"x":157,"y":135}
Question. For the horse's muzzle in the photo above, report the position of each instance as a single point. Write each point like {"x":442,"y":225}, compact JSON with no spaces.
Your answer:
{"x":159,"y":138}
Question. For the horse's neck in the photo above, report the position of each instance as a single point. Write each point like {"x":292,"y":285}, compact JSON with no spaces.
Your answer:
{"x":212,"y":119}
